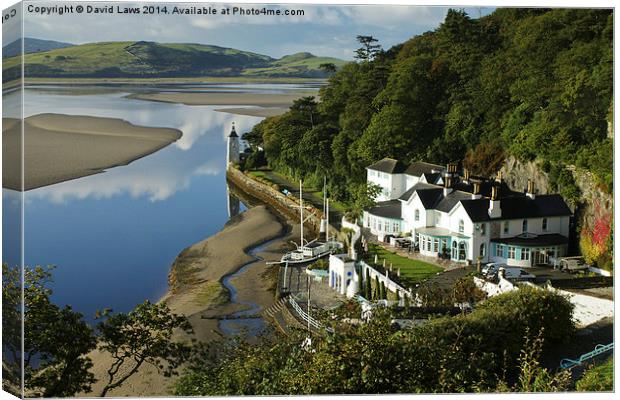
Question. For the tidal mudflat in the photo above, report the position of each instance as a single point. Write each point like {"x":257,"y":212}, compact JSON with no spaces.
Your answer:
{"x":59,"y":147}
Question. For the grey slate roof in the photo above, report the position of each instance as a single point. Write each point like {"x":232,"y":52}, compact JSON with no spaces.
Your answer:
{"x":388,"y":165}
{"x":432,"y":177}
{"x":447,"y":203}
{"x":387,"y":209}
{"x":485,"y":188}
{"x":553,"y":239}
{"x":419,"y":187}
{"x":419,"y":167}
{"x":517,"y":207}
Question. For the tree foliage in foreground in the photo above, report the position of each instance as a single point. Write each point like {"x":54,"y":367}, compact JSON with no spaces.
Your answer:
{"x":486,"y":350}
{"x":57,"y":340}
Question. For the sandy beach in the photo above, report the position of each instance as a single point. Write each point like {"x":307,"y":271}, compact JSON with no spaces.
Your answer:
{"x":195,"y":289}
{"x":60,"y":147}
{"x":255,"y":111}
{"x":269,"y":100}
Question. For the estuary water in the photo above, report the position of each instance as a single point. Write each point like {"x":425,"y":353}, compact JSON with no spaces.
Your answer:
{"x":113,"y":236}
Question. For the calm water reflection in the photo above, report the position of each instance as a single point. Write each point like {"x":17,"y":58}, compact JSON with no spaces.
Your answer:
{"x":113,"y":236}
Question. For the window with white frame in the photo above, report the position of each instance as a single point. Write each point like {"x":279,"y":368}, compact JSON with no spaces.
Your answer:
{"x":435,"y":245}
{"x":511,"y":252}
{"x":482,"y":249}
{"x":524,"y":227}
{"x":483,"y":229}
{"x":525,"y":254}
{"x":417,"y":215}
{"x":461,"y":226}
{"x":499,"y":251}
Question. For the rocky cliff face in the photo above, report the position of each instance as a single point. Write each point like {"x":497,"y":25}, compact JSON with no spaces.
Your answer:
{"x":594,"y":200}
{"x":516,"y":173}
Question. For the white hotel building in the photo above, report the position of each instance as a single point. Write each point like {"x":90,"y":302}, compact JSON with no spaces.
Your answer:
{"x":465,"y":217}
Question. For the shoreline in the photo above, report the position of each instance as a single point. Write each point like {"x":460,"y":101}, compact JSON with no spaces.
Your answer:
{"x":151,"y":81}
{"x":263,"y":100}
{"x":263,"y":112}
{"x":195,"y":287}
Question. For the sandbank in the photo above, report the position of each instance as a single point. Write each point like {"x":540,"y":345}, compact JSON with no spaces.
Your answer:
{"x":61,"y":147}
{"x":279,"y":100}
{"x":255,"y":111}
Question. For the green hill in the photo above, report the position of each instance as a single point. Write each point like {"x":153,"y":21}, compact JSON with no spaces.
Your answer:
{"x":150,"y":60}
{"x":299,"y":64}
{"x":31,"y":45}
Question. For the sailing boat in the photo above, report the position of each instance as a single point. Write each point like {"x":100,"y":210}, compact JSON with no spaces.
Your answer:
{"x":313,"y":250}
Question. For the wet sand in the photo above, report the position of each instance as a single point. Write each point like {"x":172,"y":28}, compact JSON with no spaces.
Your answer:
{"x":193,"y":291}
{"x":255,"y":111}
{"x":59,"y":147}
{"x":269,"y":100}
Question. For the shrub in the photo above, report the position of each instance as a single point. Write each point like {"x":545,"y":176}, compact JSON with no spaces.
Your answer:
{"x":450,"y":354}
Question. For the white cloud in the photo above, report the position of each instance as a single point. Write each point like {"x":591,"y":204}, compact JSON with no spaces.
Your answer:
{"x":394,"y":17}
{"x":210,"y":168}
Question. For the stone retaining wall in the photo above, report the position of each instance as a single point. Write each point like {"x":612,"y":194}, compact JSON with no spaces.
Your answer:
{"x":286,"y":205}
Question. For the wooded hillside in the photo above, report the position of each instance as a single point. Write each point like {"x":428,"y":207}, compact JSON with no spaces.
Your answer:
{"x":534,"y":83}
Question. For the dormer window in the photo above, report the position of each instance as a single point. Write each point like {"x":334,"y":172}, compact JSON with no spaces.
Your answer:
{"x":461,"y":226}
{"x":524,"y":226}
{"x":544,"y":224}
{"x":417,"y":215}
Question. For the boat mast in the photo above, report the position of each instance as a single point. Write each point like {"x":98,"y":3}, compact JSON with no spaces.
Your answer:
{"x":327,"y":222}
{"x":301,"y":212}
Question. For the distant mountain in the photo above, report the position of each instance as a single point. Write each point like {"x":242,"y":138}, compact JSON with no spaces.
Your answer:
{"x":31,"y":45}
{"x":149,"y":59}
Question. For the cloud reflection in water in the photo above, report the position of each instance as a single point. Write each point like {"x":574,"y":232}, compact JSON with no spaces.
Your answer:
{"x":200,"y":151}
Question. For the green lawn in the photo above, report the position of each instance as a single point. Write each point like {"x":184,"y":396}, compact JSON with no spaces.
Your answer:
{"x":411,"y":271}
{"x":598,"y":379}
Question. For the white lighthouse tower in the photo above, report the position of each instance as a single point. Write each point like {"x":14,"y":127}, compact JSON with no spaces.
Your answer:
{"x":232,"y":152}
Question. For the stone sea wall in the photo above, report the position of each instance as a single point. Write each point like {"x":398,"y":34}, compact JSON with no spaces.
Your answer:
{"x":286,"y":205}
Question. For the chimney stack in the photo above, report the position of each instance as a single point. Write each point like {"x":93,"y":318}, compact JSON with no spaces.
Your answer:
{"x":495,"y":210}
{"x":530,"y":189}
{"x":447,"y":185}
{"x":475,"y":193}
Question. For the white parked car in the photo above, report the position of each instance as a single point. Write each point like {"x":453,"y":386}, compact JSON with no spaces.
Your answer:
{"x":516,"y":273}
{"x":492,"y":268}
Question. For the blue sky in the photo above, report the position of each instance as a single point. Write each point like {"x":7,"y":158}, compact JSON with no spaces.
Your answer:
{"x":323,"y":30}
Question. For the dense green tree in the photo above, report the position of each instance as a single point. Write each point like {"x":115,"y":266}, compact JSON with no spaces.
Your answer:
{"x":142,"y":336}
{"x":56,"y":340}
{"x":328,"y":67}
{"x":370,"y":48}
{"x":530,"y":83}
